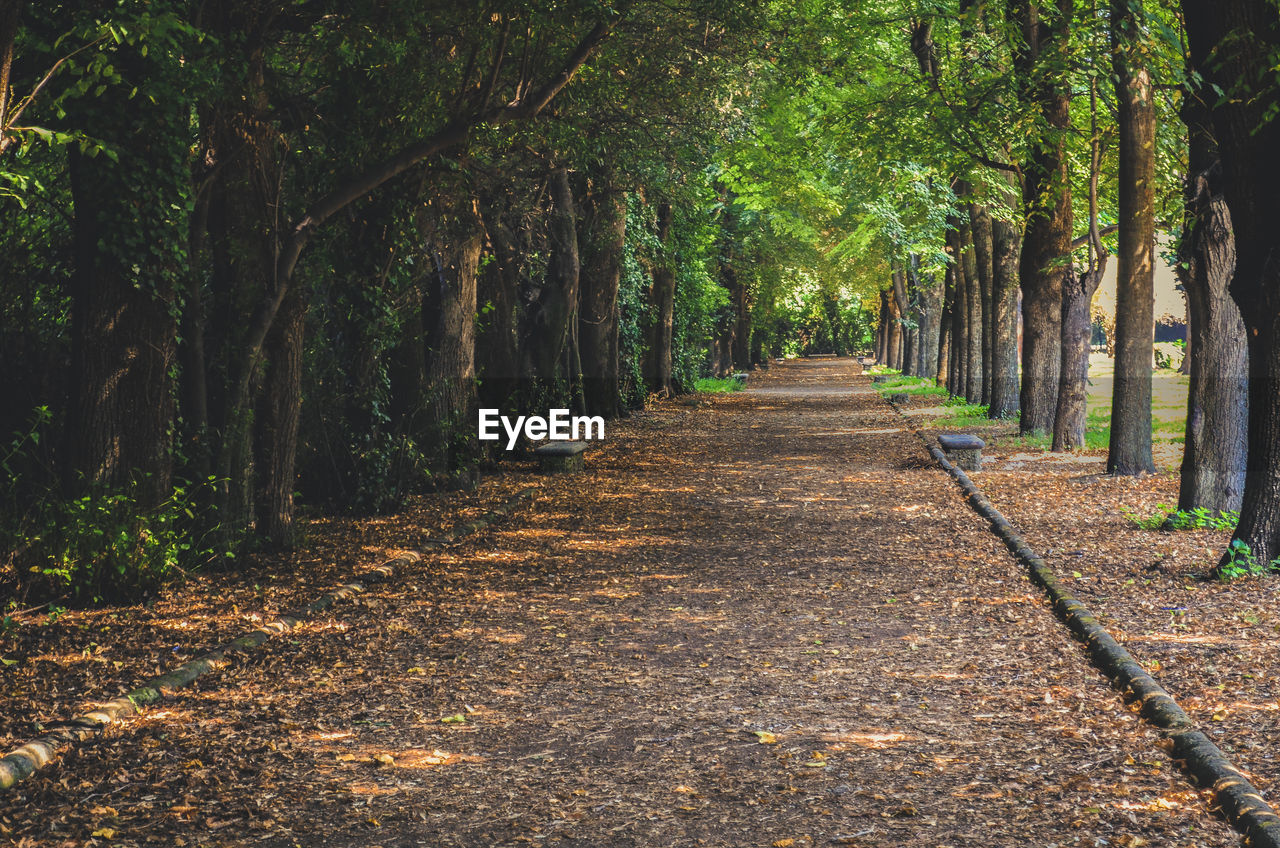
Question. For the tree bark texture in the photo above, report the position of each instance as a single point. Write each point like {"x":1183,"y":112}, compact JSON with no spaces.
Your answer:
{"x":602,"y":237}
{"x":1046,"y":245}
{"x":1071,"y":416}
{"x":123,"y":337}
{"x":893,"y":332}
{"x":245,"y":193}
{"x":973,"y":322}
{"x":1006,"y":245}
{"x":276,"y":423}
{"x":455,"y":240}
{"x":1243,"y":36}
{"x":1130,"y":449}
{"x":945,"y":321}
{"x":902,"y":307}
{"x":882,"y":329}
{"x":1214,"y":455}
{"x":498,"y":363}
{"x":957,"y":378}
{"x":550,"y":317}
{"x":662,"y":298}
{"x":983,"y":250}
{"x":930,"y":296}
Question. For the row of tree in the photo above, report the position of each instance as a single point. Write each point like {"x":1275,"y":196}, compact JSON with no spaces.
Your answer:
{"x":261,"y":247}
{"x":1127,"y":116}
{"x":256,"y":247}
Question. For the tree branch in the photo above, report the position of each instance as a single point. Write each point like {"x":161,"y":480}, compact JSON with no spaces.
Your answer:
{"x":356,"y":187}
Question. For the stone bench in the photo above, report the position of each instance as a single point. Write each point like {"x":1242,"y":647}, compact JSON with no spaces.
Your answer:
{"x":963,"y":450}
{"x":561,"y":457}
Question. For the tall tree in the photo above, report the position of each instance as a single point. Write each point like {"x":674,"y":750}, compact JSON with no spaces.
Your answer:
{"x":662,"y":294}
{"x":1231,"y":43}
{"x":1041,"y":60}
{"x":1214,"y":454}
{"x":1006,"y":240}
{"x":602,"y":238}
{"x":1130,"y":449}
{"x":128,"y":241}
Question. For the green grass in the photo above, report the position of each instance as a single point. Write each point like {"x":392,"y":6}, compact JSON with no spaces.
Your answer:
{"x":963,"y":414}
{"x":1168,"y":408}
{"x":717,"y":385}
{"x":1167,"y":517}
{"x":1097,"y":433}
{"x":911,"y":386}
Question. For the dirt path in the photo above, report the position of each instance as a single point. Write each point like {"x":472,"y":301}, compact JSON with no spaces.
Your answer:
{"x":766,"y":621}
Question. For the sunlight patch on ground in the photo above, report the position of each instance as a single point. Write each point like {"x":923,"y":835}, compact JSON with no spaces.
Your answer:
{"x":1050,"y":458}
{"x":840,"y":741}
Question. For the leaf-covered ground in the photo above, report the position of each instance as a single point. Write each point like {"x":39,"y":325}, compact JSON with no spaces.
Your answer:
{"x":763,"y":619}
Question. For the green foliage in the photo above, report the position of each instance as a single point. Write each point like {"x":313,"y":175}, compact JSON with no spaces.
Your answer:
{"x":718,"y":385}
{"x":107,"y":546}
{"x":104,"y":545}
{"x":633,"y":310}
{"x":1167,"y":517}
{"x":701,"y":302}
{"x":917,"y":386}
{"x":1241,"y":562}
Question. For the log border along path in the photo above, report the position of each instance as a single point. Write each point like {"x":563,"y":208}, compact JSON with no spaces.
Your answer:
{"x":1202,"y":761}
{"x":27,"y":759}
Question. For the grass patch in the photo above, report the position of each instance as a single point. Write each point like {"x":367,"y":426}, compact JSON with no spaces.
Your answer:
{"x":1167,"y":518}
{"x":963,"y":414}
{"x":718,"y":385}
{"x":918,"y":386}
{"x":1097,"y":434}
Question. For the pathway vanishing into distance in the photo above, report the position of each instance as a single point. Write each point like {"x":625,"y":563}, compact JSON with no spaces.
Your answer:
{"x":767,"y":619}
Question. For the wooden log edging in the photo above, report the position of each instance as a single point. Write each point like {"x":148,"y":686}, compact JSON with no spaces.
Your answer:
{"x":1240,"y":802}
{"x":26,"y":760}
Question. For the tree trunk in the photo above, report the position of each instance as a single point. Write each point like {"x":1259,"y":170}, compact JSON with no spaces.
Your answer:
{"x":1046,"y":246}
{"x":1006,"y":244}
{"x":662,"y":297}
{"x":551,"y":316}
{"x":903,"y":309}
{"x":958,"y":374}
{"x":1213,"y":459}
{"x":945,"y":322}
{"x":983,"y":249}
{"x":882,"y":329}
{"x":455,"y":239}
{"x":1072,"y":412}
{"x":739,"y":330}
{"x":123,"y":337}
{"x":498,"y":331}
{"x":973,"y":322}
{"x":1248,"y":137}
{"x":603,"y":232}
{"x":245,"y":197}
{"x":893,"y":345}
{"x":930,"y":326}
{"x":276,"y":421}
{"x":1130,"y":450}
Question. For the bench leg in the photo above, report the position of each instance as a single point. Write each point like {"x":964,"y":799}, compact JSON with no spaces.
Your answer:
{"x":968,"y":460}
